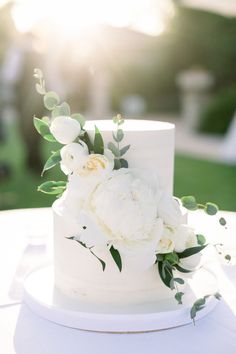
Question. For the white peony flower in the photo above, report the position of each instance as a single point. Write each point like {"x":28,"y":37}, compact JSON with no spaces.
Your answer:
{"x":73,"y":156}
{"x":169,"y":210}
{"x":123,"y":206}
{"x":184,"y":237}
{"x":65,"y":129}
{"x":166,"y":243}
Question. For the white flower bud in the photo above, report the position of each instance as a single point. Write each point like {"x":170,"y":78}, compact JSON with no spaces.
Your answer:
{"x":65,"y":129}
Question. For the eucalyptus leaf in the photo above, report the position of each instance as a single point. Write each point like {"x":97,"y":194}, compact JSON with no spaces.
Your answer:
{"x":42,"y":128}
{"x":124,"y":150}
{"x":65,"y":109}
{"x":222,"y":221}
{"x":114,"y":149}
{"x":51,"y":100}
{"x":116,"y":257}
{"x":52,"y":187}
{"x":211,"y":208}
{"x":191,"y":251}
{"x":117,"y":164}
{"x":178,"y":297}
{"x":201,"y":239}
{"x":114,"y":137}
{"x":53,"y":160}
{"x":124,"y":163}
{"x":189,"y":202}
{"x":80,"y":118}
{"x":179,"y":280}
{"x":98,"y":142}
{"x":119,"y":135}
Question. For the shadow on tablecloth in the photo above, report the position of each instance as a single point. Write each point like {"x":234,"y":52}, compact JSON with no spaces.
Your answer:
{"x":215,"y":333}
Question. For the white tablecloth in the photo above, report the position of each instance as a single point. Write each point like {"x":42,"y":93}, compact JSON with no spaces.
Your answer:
{"x":26,"y":242}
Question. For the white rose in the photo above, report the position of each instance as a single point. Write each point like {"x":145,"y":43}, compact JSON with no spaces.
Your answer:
{"x":184,"y":238}
{"x":166,"y":243}
{"x":73,"y":156}
{"x":65,"y":129}
{"x":96,"y":164}
{"x":169,"y":210}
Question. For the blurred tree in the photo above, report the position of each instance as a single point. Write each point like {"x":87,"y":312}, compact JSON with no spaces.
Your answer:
{"x":192,"y":38}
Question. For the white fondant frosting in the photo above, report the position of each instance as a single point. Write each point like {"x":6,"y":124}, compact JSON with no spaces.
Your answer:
{"x":78,"y":273}
{"x":151,"y":145}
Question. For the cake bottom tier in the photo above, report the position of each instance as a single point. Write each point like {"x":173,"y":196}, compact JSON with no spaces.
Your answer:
{"x":79,"y":275}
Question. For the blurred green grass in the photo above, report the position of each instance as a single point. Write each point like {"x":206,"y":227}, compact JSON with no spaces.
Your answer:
{"x":207,"y":181}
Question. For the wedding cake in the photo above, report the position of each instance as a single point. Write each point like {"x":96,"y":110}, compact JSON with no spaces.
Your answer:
{"x":120,"y":237}
{"x":115,"y":210}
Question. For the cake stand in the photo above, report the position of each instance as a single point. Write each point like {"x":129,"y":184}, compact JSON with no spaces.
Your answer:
{"x":47,"y":302}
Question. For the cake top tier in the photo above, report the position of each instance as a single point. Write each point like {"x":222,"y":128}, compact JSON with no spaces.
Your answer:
{"x":131,"y":125}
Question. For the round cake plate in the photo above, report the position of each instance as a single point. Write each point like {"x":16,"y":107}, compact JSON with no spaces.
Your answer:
{"x":47,"y":302}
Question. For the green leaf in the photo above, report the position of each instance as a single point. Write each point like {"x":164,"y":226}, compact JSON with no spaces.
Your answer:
{"x":228,"y":257}
{"x":218,"y":296}
{"x":79,"y":118}
{"x":117,"y":164}
{"x":124,"y":163}
{"x":211,"y":208}
{"x":172,"y":258}
{"x":51,"y":99}
{"x":53,"y":160}
{"x":182,"y":270}
{"x":98,"y":142}
{"x":52,"y":187}
{"x":114,"y":149}
{"x":124,"y":150}
{"x":201,"y":239}
{"x":119,"y":135}
{"x":222,"y":221}
{"x":191,"y":251}
{"x":179,"y":280}
{"x":189,"y":202}
{"x":116,"y":257}
{"x":65,"y":109}
{"x":165,"y":273}
{"x":86,"y":139}
{"x":103,"y":264}
{"x":42,"y":128}
{"x":61,"y":110}
{"x":178,"y":297}
{"x":193,"y":313}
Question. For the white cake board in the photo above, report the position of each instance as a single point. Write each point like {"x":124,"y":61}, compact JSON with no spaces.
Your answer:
{"x":47,"y":302}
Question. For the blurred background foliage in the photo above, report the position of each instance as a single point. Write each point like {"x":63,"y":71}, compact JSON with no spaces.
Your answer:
{"x":139,"y":65}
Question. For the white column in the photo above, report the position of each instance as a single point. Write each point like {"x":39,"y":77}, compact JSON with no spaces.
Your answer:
{"x":194,"y":85}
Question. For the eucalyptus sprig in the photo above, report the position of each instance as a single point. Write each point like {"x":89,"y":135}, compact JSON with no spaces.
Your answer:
{"x":190,"y":203}
{"x":90,"y":249}
{"x":115,"y":148}
{"x":200,"y":303}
